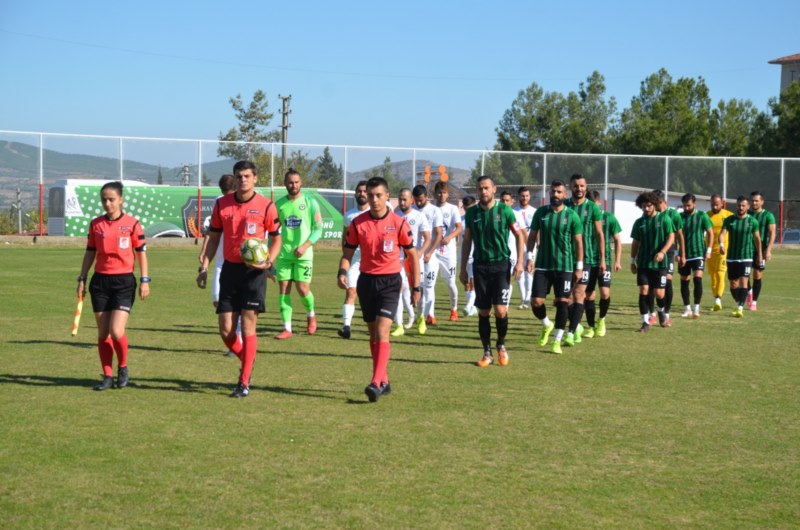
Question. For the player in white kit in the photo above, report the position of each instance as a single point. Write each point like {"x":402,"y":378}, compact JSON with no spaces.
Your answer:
{"x":469,"y":288}
{"x":508,"y":199}
{"x":447,"y":251}
{"x":524,"y":212}
{"x":420,"y":234}
{"x":429,"y":265}
{"x":349,"y":307}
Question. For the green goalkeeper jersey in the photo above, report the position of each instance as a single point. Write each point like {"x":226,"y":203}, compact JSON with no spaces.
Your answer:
{"x":298,"y":225}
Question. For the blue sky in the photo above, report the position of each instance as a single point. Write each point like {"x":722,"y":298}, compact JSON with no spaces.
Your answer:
{"x":413,"y":73}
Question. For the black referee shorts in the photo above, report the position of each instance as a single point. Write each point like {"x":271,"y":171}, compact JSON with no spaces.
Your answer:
{"x":241,"y":288}
{"x":112,"y":292}
{"x":378,"y":295}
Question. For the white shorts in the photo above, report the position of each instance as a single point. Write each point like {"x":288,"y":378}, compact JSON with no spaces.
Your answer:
{"x":448,"y":262}
{"x":215,"y":282}
{"x":352,"y":274}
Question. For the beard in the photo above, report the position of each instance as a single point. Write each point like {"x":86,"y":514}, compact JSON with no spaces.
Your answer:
{"x":361,"y":201}
{"x":555,"y":201}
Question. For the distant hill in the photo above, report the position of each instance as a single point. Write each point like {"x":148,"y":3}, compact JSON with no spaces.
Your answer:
{"x":19,"y":168}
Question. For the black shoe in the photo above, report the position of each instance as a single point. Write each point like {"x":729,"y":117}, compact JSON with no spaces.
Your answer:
{"x":372,"y":392}
{"x":122,"y":377}
{"x":344,"y":332}
{"x":107,"y":383}
{"x":240,"y":391}
{"x":386,"y":389}
{"x":645,"y":328}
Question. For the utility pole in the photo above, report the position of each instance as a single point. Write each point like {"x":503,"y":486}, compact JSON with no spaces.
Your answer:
{"x":285,"y":126}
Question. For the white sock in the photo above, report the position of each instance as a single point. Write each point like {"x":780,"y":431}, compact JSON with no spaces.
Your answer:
{"x":348,"y":310}
{"x":546,"y":322}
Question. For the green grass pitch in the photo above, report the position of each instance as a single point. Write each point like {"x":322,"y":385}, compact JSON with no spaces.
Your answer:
{"x":693,"y":426}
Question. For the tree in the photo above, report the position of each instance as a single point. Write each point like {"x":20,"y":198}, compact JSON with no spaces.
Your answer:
{"x":549,"y":121}
{"x":730,"y":127}
{"x":667,"y":118}
{"x":787,"y":111}
{"x":253,"y":122}
{"x":386,"y":172}
{"x":160,"y":178}
{"x":329,"y":174}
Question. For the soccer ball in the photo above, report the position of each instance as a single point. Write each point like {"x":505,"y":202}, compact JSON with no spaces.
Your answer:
{"x":254,"y":250}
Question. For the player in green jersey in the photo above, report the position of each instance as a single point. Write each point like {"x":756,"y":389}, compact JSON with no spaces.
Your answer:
{"x":611,"y":232}
{"x":653,"y":235}
{"x":594,"y":247}
{"x":698,"y":238}
{"x":677,"y":250}
{"x":744,"y":243}
{"x":488,"y":225}
{"x":766,"y":224}
{"x":558,"y":233}
{"x":301,"y":227}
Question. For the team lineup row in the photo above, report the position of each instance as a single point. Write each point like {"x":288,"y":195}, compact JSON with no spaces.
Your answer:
{"x":392,"y":258}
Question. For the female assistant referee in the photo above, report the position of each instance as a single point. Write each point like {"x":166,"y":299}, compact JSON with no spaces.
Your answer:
{"x":114,"y":239}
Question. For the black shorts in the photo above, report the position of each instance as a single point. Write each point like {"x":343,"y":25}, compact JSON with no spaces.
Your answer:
{"x":739,"y":269}
{"x":604,"y":280}
{"x":241,"y":288}
{"x":655,"y":278}
{"x":378,"y":295}
{"x":591,"y":275}
{"x":760,"y":265}
{"x":694,"y":264}
{"x":492,"y":283}
{"x":111,"y":292}
{"x":561,"y":281}
{"x":671,"y":255}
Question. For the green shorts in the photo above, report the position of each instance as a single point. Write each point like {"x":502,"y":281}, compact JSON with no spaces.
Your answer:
{"x":298,"y":270}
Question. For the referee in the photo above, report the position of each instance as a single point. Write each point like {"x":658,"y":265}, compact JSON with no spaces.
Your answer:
{"x":379,"y":233}
{"x":488,"y":226}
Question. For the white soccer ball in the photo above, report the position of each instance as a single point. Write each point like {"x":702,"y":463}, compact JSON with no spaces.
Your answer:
{"x":254,"y":250}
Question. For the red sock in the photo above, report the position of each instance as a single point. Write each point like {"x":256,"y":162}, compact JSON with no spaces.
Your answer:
{"x":106,"y":349}
{"x":373,"y":350}
{"x":121,"y":347}
{"x":384,"y":350}
{"x":248,"y":356}
{"x":235,"y":345}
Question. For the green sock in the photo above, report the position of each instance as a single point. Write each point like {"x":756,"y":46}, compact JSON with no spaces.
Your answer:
{"x":308,"y":303}
{"x":286,"y":307}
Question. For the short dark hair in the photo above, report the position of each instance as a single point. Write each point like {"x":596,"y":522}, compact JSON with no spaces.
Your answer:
{"x":647,"y":197}
{"x":506,"y":192}
{"x":441,"y":185}
{"x":116,"y":186}
{"x":484,"y":177}
{"x":558,"y":184}
{"x":374,"y":182}
{"x":716,"y":196}
{"x":593,"y":195}
{"x":241,"y":165}
{"x":419,"y":190}
{"x":660,"y":195}
{"x":227,"y":183}
{"x":742,"y":198}
{"x":290,"y":172}
{"x":754,"y":193}
{"x":576,"y":176}
{"x":467,"y":201}
{"x":523,"y":188}
{"x":689,"y":197}
{"x":360,"y":183}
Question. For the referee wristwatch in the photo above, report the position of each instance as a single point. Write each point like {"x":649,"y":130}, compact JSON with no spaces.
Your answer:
{"x":416,"y":289}
{"x":81,"y":278}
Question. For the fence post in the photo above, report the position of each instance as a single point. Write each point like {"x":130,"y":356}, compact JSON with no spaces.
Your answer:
{"x":41,"y":184}
{"x":780,"y":208}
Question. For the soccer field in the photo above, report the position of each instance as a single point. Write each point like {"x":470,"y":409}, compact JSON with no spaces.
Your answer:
{"x":692,"y":426}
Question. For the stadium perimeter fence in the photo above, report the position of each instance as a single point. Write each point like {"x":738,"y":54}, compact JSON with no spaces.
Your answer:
{"x":33,"y":161}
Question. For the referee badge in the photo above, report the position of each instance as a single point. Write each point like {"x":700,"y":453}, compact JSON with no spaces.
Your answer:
{"x":124,"y":243}
{"x":251,"y":228}
{"x":388,"y":245}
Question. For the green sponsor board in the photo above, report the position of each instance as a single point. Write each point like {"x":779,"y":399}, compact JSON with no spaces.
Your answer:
{"x":163,"y":211}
